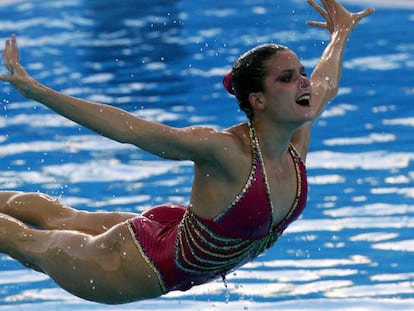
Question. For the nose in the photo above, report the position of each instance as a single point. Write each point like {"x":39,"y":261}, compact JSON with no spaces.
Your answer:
{"x":304,"y":83}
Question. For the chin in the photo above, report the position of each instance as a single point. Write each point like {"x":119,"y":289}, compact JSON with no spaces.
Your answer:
{"x":307,"y":113}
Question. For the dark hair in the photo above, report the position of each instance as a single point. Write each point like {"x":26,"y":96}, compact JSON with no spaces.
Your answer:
{"x":248,"y":74}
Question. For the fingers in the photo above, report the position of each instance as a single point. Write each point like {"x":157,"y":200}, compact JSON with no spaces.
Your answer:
{"x":365,"y":12}
{"x":318,"y":8}
{"x":11,"y":54}
{"x":360,"y":15}
{"x":322,"y":12}
{"x":14,"y":50}
{"x":5,"y":52}
{"x":316,"y":24}
{"x":336,"y":16}
{"x":5,"y":78}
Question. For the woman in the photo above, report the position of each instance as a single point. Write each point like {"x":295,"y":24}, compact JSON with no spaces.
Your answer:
{"x":237,"y":208}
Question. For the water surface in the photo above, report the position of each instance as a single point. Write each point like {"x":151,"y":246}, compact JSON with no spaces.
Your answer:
{"x":164,"y":60}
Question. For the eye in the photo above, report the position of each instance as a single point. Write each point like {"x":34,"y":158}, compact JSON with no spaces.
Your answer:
{"x":302,"y":71}
{"x":286,"y":78}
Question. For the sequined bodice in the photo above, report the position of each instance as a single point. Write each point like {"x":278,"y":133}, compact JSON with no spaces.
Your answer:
{"x":244,"y":229}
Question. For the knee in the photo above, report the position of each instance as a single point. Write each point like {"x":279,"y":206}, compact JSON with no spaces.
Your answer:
{"x":6,"y":197}
{"x":21,"y":199}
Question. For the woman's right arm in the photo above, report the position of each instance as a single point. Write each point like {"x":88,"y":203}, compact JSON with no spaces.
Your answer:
{"x":193,"y":143}
{"x":326,"y":75}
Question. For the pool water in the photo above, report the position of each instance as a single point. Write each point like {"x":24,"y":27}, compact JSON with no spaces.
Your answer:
{"x":164,"y":60}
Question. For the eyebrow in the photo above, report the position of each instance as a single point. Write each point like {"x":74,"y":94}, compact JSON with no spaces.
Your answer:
{"x":301,"y":69}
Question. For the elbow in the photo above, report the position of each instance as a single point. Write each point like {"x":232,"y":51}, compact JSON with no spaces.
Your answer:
{"x":329,"y":86}
{"x":332,"y":88}
{"x":326,"y":89}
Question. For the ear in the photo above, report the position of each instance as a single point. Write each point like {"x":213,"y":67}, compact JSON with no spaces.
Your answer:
{"x":257,"y":100}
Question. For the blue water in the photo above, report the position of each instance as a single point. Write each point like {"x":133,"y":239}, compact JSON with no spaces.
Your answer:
{"x":164,"y":60}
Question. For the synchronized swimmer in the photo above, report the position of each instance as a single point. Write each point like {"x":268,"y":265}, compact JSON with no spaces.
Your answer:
{"x":237,"y":209}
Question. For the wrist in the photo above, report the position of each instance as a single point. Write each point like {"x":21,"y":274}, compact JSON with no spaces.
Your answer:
{"x":33,"y":90}
{"x":341,"y":31}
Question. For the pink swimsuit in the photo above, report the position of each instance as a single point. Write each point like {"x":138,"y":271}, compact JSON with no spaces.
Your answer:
{"x":186,"y":250}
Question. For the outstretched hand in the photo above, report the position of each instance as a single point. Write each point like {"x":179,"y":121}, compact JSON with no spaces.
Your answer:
{"x":337,"y":18}
{"x":17,"y":76}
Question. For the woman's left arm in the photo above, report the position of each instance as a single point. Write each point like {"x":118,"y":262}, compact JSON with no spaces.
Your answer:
{"x":326,"y":75}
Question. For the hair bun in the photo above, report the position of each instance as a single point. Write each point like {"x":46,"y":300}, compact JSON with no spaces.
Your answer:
{"x":227,"y":82}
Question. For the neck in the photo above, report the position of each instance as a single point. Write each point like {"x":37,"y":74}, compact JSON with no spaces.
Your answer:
{"x":274,"y":140}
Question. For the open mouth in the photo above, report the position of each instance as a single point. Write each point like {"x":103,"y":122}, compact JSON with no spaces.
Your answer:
{"x":303,"y":100}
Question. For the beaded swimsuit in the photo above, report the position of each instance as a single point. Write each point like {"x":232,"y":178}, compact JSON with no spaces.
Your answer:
{"x":185,"y":249}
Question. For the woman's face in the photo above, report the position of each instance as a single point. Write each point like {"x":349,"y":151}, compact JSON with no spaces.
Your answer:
{"x":287,"y":90}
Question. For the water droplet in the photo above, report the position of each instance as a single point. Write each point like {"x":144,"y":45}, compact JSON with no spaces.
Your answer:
{"x":227,"y":296}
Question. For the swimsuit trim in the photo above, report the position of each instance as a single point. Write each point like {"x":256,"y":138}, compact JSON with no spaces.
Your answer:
{"x":197,"y":250}
{"x":258,"y":150}
{"x":250,"y":179}
{"x":220,"y":261}
{"x":146,"y":257}
{"x":295,"y":157}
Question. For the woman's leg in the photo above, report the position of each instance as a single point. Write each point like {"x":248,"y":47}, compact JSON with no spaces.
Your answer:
{"x":44,"y":212}
{"x":106,"y":268}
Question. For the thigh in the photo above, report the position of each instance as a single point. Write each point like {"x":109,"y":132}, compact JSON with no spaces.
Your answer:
{"x":93,"y":223}
{"x":105,"y":268}
{"x":32,"y":207}
{"x":46,"y":212}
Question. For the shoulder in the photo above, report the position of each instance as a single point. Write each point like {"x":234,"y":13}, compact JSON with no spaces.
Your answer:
{"x":222,"y":145}
{"x":239,"y":136}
